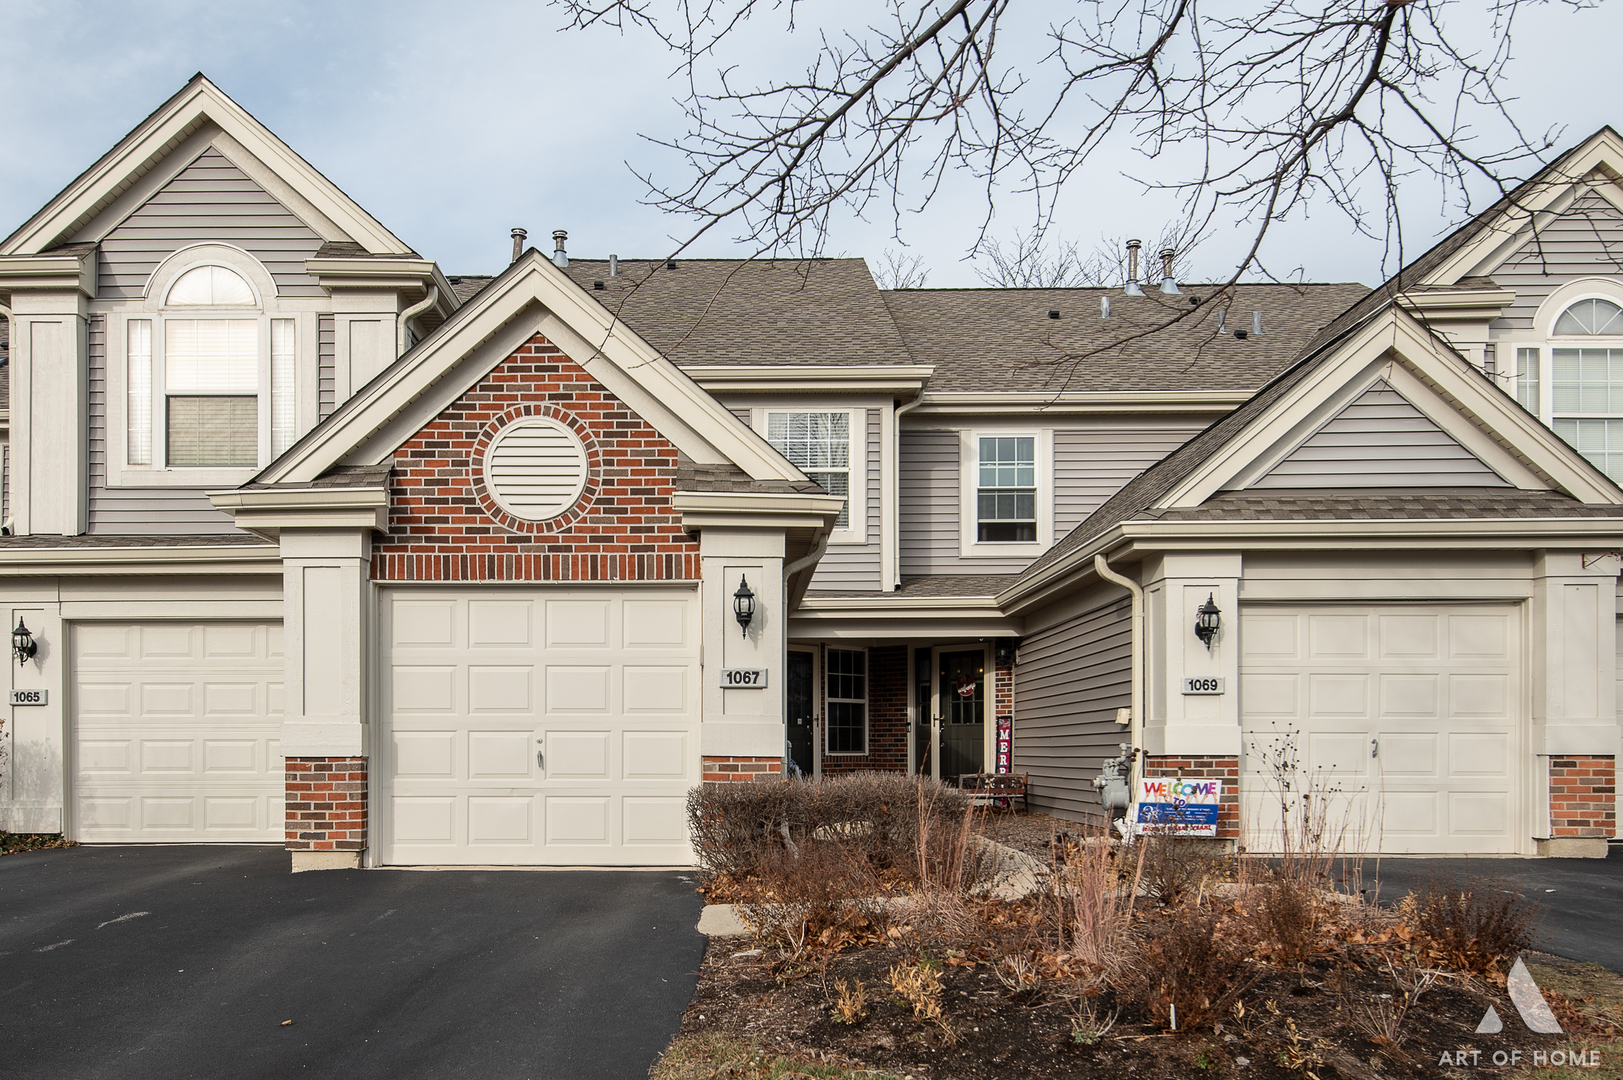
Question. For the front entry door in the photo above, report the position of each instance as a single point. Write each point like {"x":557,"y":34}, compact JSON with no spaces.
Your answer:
{"x":800,"y":710}
{"x":961,"y":694}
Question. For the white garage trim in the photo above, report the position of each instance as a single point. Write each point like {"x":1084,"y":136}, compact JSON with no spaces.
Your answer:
{"x":174,"y":729}
{"x":1413,"y":716}
{"x":536,"y":726}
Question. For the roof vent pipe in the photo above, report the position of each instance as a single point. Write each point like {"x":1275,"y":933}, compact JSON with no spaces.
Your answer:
{"x":1104,"y":305}
{"x":560,"y":257}
{"x":518,"y":243}
{"x":1222,"y":317}
{"x":1168,"y":286}
{"x":1256,"y":324}
{"x":1131,"y":288}
{"x":614,"y":266}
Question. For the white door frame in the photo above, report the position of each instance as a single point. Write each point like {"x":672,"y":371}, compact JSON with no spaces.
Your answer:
{"x":816,"y":654}
{"x":988,"y":716}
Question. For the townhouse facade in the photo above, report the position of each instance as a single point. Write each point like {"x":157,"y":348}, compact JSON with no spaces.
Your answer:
{"x":311,"y":543}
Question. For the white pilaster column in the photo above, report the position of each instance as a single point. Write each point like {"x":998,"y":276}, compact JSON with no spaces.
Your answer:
{"x":49,"y":398}
{"x":1574,"y":654}
{"x":743,"y":722}
{"x":1179,"y":724}
{"x":325,"y":573}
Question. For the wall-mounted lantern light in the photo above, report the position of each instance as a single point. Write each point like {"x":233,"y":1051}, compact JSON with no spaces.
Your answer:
{"x":23,"y":645}
{"x":1207,"y":619}
{"x":744,"y":606}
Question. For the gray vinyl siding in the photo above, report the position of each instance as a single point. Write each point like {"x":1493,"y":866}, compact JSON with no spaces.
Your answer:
{"x":326,"y":365}
{"x":855,"y":567}
{"x":134,"y":510}
{"x":210,"y":201}
{"x":1090,"y":465}
{"x":1069,"y":681}
{"x":1380,"y":440}
{"x":1093,"y":464}
{"x":1584,"y":241}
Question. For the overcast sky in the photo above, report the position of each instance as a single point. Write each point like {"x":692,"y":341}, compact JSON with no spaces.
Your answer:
{"x":451,"y":123}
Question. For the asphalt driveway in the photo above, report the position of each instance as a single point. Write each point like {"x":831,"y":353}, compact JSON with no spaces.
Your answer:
{"x":178,"y":962}
{"x":1582,"y":899}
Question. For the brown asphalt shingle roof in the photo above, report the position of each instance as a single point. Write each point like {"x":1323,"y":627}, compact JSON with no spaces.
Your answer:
{"x":731,"y":311}
{"x":944,"y":586}
{"x":694,"y":477}
{"x":1378,"y":505}
{"x":104,"y":540}
{"x":1004,"y":339}
{"x":1145,"y":489}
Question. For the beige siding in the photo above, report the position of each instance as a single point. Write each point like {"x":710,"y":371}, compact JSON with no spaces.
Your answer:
{"x":161,"y":511}
{"x":1069,"y":681}
{"x":1380,"y":440}
{"x":855,"y":567}
{"x":210,"y":201}
{"x":1093,"y":464}
{"x":1586,"y":240}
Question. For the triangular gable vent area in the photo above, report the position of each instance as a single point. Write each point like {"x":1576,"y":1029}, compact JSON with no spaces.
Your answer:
{"x":1380,"y":440}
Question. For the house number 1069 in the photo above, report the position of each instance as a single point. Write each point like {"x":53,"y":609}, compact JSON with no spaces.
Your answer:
{"x":1202,"y":685}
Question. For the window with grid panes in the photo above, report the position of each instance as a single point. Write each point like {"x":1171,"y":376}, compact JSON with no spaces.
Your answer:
{"x":819,"y":444}
{"x":847,"y":701}
{"x":1006,"y":491}
{"x":1586,"y":385}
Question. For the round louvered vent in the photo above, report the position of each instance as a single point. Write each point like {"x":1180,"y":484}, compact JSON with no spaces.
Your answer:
{"x":535,"y":469}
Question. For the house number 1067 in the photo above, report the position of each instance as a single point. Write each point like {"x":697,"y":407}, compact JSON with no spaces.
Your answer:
{"x":750,"y":677}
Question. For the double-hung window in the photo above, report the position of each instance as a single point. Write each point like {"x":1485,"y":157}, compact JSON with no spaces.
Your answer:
{"x":207,"y":375}
{"x":1586,"y":382}
{"x":847,"y":727}
{"x":819,"y":444}
{"x":1006,"y":489}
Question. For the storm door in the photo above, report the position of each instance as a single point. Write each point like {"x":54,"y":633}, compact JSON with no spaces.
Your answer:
{"x":961,"y":695}
{"x":801,"y":709}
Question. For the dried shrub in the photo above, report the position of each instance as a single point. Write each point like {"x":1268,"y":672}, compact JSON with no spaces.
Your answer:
{"x":1178,"y":868}
{"x":1184,"y":969}
{"x":850,"y":1002}
{"x":1287,"y":915}
{"x":1383,"y":1018}
{"x":1091,"y":911}
{"x":1473,"y":925}
{"x":919,"y":985}
{"x":859,"y":831}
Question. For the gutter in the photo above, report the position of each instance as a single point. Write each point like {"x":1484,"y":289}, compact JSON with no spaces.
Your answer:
{"x":807,"y":560}
{"x":1135,"y":722}
{"x":411,"y":313}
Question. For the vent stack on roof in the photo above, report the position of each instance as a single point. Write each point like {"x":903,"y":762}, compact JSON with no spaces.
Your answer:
{"x":560,"y":257}
{"x":1131,"y":288}
{"x":518,"y":242}
{"x":1168,"y":284}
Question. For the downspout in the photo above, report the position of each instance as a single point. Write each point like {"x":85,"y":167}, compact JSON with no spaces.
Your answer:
{"x":895,"y":510}
{"x":1135,"y":722}
{"x":410,"y":314}
{"x":808,"y":559}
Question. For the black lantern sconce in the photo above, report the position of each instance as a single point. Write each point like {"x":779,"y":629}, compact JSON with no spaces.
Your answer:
{"x":744,"y":606}
{"x":1207,"y":620}
{"x":23,"y":645}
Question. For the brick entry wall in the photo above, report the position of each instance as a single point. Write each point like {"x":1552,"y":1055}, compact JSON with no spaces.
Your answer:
{"x":887,"y":717}
{"x":1226,"y":769}
{"x":444,"y":526}
{"x":326,"y":804}
{"x":1583,"y":797}
{"x":722,"y":770}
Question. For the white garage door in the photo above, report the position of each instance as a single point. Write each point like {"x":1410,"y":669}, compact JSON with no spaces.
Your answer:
{"x":175,"y":732}
{"x":539,"y":726}
{"x":1409,"y":714}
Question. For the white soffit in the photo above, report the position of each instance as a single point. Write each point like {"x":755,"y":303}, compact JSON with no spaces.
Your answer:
{"x":201,"y":109}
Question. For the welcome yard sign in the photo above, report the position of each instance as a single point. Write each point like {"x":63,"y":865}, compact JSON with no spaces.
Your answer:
{"x":1172,"y":804}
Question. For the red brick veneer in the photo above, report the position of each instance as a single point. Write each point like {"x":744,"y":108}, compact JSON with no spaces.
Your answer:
{"x":1226,"y":769}
{"x":721,"y":770}
{"x":326,"y":804}
{"x":1583,"y":796}
{"x":444,"y":526}
{"x":1003,"y":706}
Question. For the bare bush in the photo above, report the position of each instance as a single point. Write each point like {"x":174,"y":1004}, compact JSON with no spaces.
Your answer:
{"x":1383,"y":1018}
{"x":1472,"y":924}
{"x":1185,"y":974}
{"x":1288,"y":915}
{"x":1178,"y":868}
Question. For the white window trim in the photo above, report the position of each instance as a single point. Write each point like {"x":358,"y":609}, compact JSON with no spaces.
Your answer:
{"x":856,"y":530}
{"x":120,"y":473}
{"x":867,"y":703}
{"x":969,"y":456}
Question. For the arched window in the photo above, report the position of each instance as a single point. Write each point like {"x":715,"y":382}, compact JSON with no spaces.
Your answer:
{"x":1590,"y":318}
{"x":199,"y":384}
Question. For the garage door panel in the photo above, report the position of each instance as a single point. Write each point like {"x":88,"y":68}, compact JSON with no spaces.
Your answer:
{"x":1269,"y":637}
{"x":1436,"y":687}
{"x":423,"y":622}
{"x":604,"y":684}
{"x":1338,"y":637}
{"x":1331,"y":695}
{"x":1404,"y":695}
{"x":179,"y":744}
{"x":424,"y":689}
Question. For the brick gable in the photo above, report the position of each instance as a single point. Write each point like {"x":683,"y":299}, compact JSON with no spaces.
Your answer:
{"x":445,"y":526}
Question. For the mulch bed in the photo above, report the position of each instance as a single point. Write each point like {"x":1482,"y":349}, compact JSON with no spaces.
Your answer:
{"x":17,"y":843}
{"x":1291,"y":1024}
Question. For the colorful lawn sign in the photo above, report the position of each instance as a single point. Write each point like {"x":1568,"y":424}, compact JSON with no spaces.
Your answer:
{"x":1171,"y":804}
